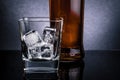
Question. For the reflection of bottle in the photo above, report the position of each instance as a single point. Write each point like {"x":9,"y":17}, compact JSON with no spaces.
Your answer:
{"x":72,"y":12}
{"x":71,"y":71}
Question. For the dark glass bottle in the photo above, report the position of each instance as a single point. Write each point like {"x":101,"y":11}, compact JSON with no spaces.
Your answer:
{"x":72,"y":12}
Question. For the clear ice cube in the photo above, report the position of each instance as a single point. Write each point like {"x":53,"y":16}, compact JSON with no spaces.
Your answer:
{"x":47,"y":51}
{"x":32,"y":37}
{"x":34,"y":51}
{"x":49,"y":35}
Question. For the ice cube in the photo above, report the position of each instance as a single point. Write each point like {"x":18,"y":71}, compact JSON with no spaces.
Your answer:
{"x":47,"y":51}
{"x":35,"y":50}
{"x":49,"y":34}
{"x":33,"y":53}
{"x":32,"y":37}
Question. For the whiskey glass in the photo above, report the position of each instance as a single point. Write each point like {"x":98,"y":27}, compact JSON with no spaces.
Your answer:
{"x":40,"y":44}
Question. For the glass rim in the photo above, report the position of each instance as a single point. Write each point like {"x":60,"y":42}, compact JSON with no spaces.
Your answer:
{"x":41,"y":19}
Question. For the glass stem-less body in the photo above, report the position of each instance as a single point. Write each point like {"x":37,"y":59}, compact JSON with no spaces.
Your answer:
{"x":72,"y":12}
{"x":40,"y":44}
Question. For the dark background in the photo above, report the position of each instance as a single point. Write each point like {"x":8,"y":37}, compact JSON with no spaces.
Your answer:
{"x":101,"y":27}
{"x":101,"y":32}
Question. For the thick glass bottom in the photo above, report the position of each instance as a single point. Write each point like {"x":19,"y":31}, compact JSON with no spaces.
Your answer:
{"x":41,"y":66}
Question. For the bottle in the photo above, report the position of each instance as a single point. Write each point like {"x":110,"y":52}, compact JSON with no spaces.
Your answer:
{"x":72,"y":11}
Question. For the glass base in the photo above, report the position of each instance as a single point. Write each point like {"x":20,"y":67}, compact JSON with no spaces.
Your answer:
{"x":40,"y":69}
{"x":39,"y":66}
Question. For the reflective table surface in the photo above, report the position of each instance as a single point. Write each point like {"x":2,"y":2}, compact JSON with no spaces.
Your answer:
{"x":96,"y":65}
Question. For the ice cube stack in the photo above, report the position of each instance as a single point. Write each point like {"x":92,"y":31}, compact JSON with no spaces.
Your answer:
{"x":40,"y":47}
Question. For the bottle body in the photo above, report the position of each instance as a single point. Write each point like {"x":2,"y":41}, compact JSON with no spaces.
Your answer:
{"x":72,"y":12}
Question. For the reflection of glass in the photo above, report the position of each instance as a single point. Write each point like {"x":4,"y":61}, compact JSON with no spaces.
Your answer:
{"x":71,"y":71}
{"x":72,"y":12}
{"x":40,"y":43}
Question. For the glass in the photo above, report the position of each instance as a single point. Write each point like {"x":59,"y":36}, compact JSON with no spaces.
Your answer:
{"x":72,"y":12}
{"x":40,"y":44}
